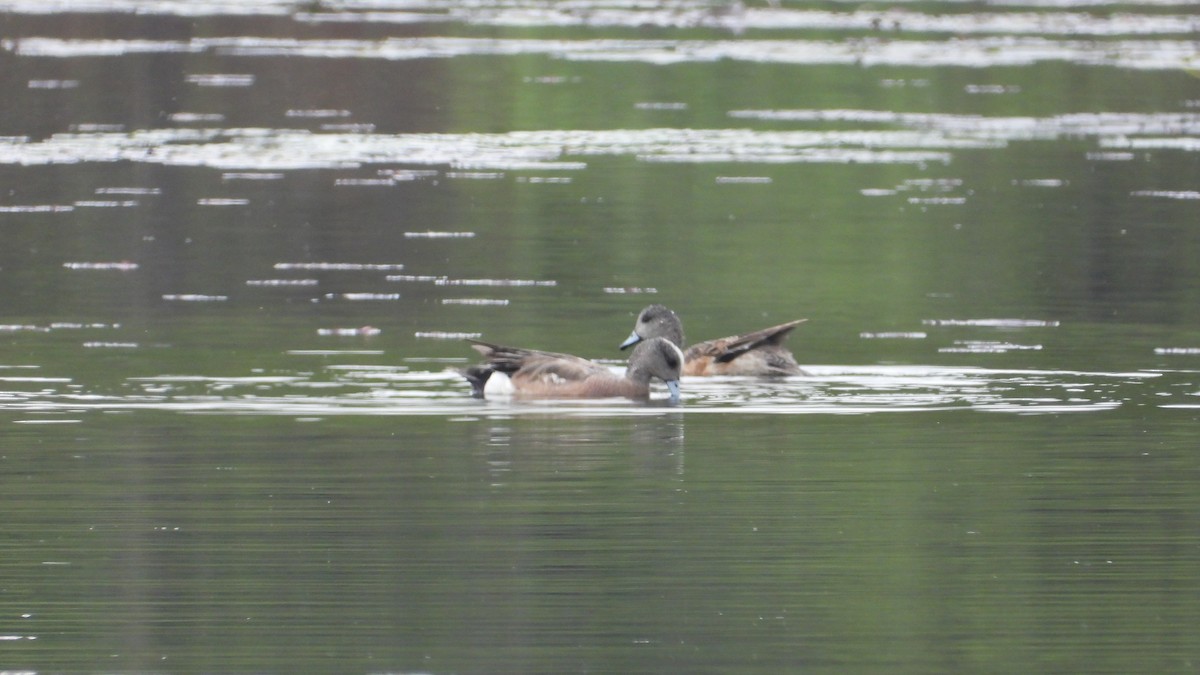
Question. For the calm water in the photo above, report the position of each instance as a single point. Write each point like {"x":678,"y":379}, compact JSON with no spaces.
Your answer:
{"x":241,"y":243}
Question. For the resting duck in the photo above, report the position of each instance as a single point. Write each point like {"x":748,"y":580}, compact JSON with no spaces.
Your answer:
{"x":758,"y":353}
{"x":532,"y":374}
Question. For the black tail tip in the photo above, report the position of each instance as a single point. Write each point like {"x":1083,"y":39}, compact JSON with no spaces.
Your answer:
{"x":478,"y":377}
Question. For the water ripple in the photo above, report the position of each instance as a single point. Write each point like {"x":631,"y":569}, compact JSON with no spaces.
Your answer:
{"x":922,"y":138}
{"x":679,"y":14}
{"x":543,"y":150}
{"x":983,"y":52}
{"x":396,"y":390}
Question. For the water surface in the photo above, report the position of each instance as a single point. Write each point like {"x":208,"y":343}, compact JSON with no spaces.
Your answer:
{"x":243,"y":244}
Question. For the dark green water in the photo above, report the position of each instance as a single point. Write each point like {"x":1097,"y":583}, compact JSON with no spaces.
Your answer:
{"x":965,"y":542}
{"x":238,"y":254}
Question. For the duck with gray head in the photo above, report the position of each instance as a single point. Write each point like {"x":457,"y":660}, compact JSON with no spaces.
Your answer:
{"x":533,"y":374}
{"x":757,"y":353}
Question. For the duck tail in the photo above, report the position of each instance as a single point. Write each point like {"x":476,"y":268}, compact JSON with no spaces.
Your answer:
{"x":478,"y":376}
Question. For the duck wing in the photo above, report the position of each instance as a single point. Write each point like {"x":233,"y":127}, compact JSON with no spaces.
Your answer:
{"x":729,"y":348}
{"x":536,"y":365}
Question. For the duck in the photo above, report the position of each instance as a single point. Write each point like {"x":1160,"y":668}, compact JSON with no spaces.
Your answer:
{"x":514,"y":372}
{"x":757,"y":353}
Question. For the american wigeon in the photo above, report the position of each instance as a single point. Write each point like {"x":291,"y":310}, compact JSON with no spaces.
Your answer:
{"x":758,"y":353}
{"x":528,"y":373}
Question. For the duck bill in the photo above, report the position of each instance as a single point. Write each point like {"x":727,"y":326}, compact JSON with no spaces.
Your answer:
{"x":673,"y":387}
{"x":632,"y":340}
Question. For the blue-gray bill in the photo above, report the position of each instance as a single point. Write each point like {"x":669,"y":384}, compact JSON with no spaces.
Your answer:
{"x":673,"y":387}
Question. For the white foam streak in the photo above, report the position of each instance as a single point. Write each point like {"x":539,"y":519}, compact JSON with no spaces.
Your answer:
{"x":680,"y":14}
{"x":920,"y":138}
{"x":193,"y":8}
{"x":361,"y":389}
{"x":982,"y":52}
{"x":279,"y":149}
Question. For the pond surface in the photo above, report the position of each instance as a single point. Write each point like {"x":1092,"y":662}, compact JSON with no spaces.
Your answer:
{"x":241,"y":245}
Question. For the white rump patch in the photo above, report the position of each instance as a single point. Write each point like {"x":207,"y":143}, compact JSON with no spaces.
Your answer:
{"x":498,"y":385}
